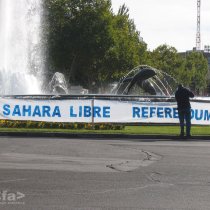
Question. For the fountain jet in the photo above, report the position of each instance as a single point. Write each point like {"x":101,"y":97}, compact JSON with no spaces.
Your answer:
{"x":146,"y":80}
{"x":21,"y":52}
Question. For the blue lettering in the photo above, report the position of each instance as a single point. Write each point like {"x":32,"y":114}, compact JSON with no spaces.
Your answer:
{"x":46,"y":111}
{"x":175,"y":113}
{"x":160,"y":112}
{"x":106,"y":112}
{"x":56,"y":112}
{"x":87,"y":111}
{"x":144,"y":112}
{"x":136,"y":112}
{"x":72,"y":114}
{"x":196,"y":115}
{"x":26,"y":110}
{"x":152,"y":111}
{"x":192,"y":113}
{"x":80,"y":111}
{"x":16,"y":111}
{"x":168,"y":113}
{"x":206,"y":115}
{"x":37,"y":111}
{"x":6,"y":109}
{"x":96,"y":111}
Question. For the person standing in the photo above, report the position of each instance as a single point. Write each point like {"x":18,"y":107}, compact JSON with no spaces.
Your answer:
{"x":183,"y":96}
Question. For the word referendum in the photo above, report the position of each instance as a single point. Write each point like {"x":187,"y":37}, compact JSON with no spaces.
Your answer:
{"x":168,"y":112}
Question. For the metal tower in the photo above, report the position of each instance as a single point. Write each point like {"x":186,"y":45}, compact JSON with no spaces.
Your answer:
{"x":198,"y":35}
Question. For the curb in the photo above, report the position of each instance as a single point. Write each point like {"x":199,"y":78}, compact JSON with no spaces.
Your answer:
{"x":100,"y":136}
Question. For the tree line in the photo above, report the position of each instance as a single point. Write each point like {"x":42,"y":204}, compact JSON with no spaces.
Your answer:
{"x":93,"y":47}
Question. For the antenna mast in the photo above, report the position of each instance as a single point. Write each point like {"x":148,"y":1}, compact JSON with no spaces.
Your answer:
{"x":198,"y":35}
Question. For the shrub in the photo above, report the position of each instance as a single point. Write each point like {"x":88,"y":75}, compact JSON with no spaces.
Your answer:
{"x":59,"y":125}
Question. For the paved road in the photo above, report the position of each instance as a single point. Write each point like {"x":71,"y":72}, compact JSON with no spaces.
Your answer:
{"x":85,"y":174}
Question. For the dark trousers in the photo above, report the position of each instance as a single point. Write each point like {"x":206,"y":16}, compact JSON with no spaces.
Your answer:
{"x":185,"y":116}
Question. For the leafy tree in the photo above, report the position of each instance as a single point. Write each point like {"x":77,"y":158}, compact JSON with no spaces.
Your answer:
{"x":190,"y":70}
{"x":88,"y":43}
{"x":167,"y":59}
{"x":127,"y":50}
{"x":79,"y":35}
{"x":93,"y":47}
{"x":196,"y":66}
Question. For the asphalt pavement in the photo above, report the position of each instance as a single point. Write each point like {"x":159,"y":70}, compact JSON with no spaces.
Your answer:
{"x":51,"y":173}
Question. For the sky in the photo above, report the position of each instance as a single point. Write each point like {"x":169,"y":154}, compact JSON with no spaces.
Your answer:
{"x":171,"y":22}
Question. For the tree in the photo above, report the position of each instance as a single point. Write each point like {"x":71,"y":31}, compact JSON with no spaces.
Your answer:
{"x":190,"y":70}
{"x":127,"y":50}
{"x":167,"y":59}
{"x":89,"y":44}
{"x":79,"y":35}
{"x":196,"y":66}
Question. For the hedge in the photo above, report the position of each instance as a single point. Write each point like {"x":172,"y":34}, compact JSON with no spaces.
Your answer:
{"x":60,"y":125}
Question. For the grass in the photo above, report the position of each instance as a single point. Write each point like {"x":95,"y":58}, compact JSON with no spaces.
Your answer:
{"x":166,"y":130}
{"x":141,"y":129}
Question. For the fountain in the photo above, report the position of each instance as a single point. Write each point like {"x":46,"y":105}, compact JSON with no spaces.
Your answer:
{"x":21,"y":53}
{"x":22,"y":63}
{"x":146,"y":80}
{"x":145,"y":94}
{"x":58,"y":84}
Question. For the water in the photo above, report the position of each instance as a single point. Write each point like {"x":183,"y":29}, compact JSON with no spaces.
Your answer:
{"x":145,"y":80}
{"x":21,"y":52}
{"x":58,"y":84}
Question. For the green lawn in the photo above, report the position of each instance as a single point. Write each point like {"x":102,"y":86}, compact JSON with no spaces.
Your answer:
{"x":171,"y":130}
{"x":141,"y":129}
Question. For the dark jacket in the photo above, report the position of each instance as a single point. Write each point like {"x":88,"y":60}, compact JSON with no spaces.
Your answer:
{"x":183,"y":96}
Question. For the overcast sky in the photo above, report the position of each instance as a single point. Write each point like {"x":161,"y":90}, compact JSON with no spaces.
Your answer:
{"x":171,"y":22}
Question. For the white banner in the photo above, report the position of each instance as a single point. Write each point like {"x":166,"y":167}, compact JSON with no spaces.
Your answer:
{"x":99,"y":111}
